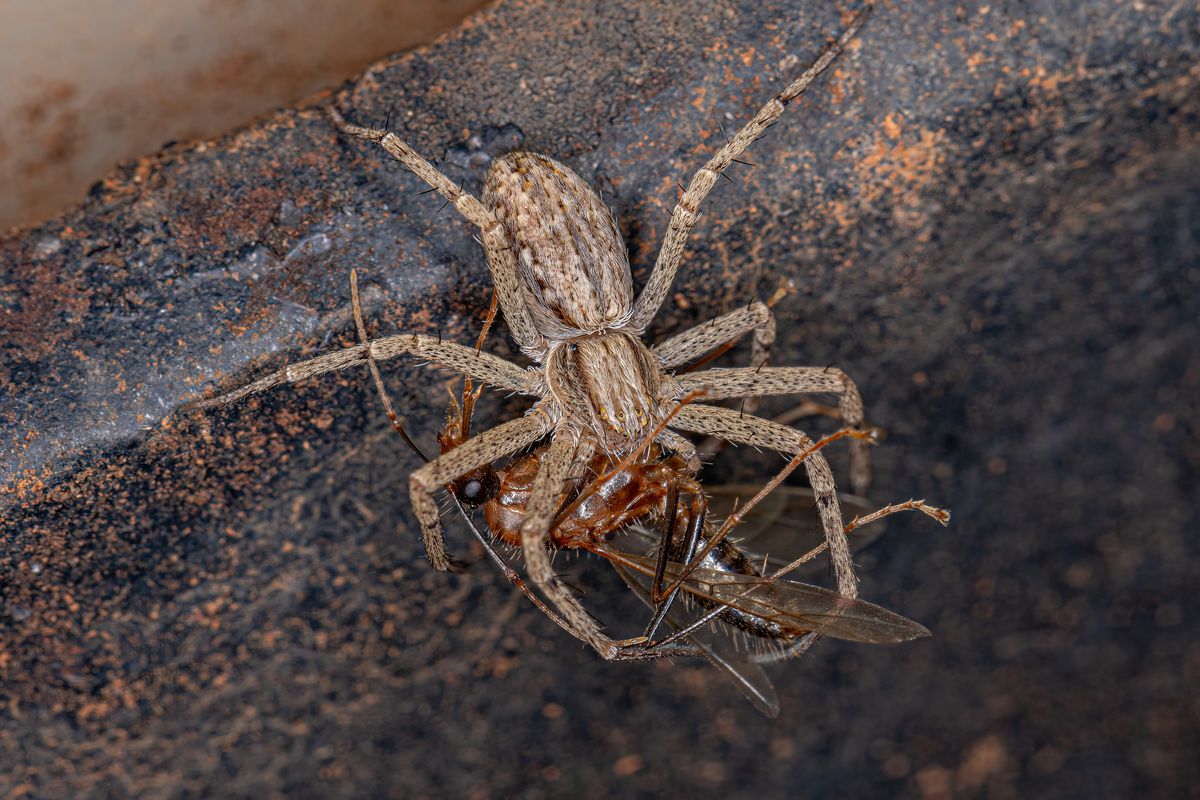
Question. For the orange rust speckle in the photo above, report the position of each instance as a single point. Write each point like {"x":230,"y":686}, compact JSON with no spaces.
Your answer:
{"x":748,"y":57}
{"x":29,"y":484}
{"x":1046,"y":80}
{"x":974,"y":60}
{"x":906,"y":170}
{"x":836,"y":92}
{"x":891,"y":128}
{"x":55,"y":306}
{"x":897,"y":170}
{"x":699,"y":103}
{"x":218,"y":218}
{"x":628,"y":765}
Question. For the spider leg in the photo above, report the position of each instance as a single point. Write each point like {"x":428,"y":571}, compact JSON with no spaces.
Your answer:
{"x":686,"y":210}
{"x":699,"y":345}
{"x":738,"y":428}
{"x":489,"y":446}
{"x":712,"y":339}
{"x":544,"y":498}
{"x":681,"y":447}
{"x":750,"y":382}
{"x":509,"y":573}
{"x":501,"y":255}
{"x":701,"y":340}
{"x":484,"y":366}
{"x":563,"y":453}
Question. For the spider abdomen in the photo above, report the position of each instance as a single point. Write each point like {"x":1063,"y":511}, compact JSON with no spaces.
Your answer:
{"x":571,"y":260}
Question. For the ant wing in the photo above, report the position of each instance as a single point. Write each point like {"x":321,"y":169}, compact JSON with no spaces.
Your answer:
{"x":749,"y":676}
{"x":785,"y":524}
{"x":797,"y":607}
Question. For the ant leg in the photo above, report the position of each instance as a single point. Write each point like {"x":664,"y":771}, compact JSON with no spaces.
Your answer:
{"x":699,"y":511}
{"x":361,"y":325}
{"x":736,"y":517}
{"x":939,"y":514}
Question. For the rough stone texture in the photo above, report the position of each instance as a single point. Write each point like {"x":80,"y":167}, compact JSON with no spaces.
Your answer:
{"x":992,"y":215}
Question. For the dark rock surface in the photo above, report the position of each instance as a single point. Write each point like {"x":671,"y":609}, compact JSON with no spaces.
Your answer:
{"x":991,"y":213}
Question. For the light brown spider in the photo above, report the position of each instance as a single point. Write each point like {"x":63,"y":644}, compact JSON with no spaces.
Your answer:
{"x":562,"y":276}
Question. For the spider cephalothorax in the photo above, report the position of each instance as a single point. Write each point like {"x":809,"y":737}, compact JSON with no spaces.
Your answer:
{"x":610,"y":386}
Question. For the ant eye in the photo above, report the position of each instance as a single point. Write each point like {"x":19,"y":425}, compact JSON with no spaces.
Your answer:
{"x":479,"y":488}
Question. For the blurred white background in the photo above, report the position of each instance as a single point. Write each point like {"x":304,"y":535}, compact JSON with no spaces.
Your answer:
{"x":84,"y":85}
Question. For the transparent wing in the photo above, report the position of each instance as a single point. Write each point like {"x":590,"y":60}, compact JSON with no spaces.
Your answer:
{"x":747,"y":675}
{"x":784,"y":525}
{"x":794,"y":606}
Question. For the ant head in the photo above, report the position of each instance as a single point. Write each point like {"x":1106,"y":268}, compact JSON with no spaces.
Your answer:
{"x":478,"y":487}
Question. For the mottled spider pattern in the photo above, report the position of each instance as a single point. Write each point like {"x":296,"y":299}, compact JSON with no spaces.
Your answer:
{"x":562,"y":277}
